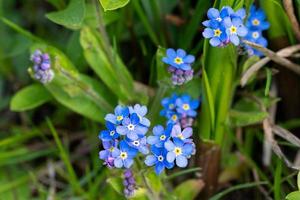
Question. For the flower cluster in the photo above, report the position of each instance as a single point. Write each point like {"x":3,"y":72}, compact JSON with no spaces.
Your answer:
{"x":170,"y":146}
{"x":179,"y":65}
{"x":129,"y":183}
{"x":42,"y":67}
{"x":256,"y":24}
{"x":225,"y":26}
{"x":180,"y":109}
{"x":124,"y":136}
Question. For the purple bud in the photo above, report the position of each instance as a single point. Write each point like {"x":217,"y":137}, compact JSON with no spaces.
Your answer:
{"x":45,"y":66}
{"x":179,"y":72}
{"x":171,"y":69}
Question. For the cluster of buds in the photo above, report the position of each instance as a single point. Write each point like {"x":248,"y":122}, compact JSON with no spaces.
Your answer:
{"x":129,"y":183}
{"x":42,"y":67}
{"x":179,"y":76}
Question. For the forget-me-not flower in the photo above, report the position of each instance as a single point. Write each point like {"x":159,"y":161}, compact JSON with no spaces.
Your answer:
{"x":124,"y":155}
{"x":110,"y":133}
{"x":160,"y":135}
{"x":158,"y":159}
{"x":121,"y":112}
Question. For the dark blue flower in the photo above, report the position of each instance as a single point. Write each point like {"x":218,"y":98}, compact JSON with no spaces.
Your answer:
{"x":120,"y":113}
{"x":160,"y":135}
{"x":187,"y":106}
{"x":255,"y":37}
{"x":169,"y":105}
{"x":158,"y":159}
{"x":141,"y":111}
{"x":140,"y":144}
{"x":110,"y":133}
{"x":179,"y":151}
{"x":257,"y":19}
{"x":131,"y":127}
{"x":124,"y":156}
{"x":179,"y":59}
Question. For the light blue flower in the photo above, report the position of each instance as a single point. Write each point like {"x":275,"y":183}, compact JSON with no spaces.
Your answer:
{"x":235,"y":29}
{"x":216,"y":33}
{"x":120,"y":113}
{"x":255,"y":36}
{"x":178,"y":59}
{"x":124,"y":156}
{"x":158,"y":159}
{"x":179,"y":152}
{"x":257,"y":19}
{"x":110,"y":133}
{"x":184,"y":134}
{"x":141,"y":111}
{"x":169,"y":105}
{"x":106,"y":154}
{"x":140,"y":144}
{"x":160,"y":135}
{"x":187,"y":106}
{"x":132,"y":128}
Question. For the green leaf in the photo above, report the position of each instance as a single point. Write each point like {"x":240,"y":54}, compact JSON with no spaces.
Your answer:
{"x":298,"y":180}
{"x":30,"y":97}
{"x":189,"y":189}
{"x":113,"y":4}
{"x":293,"y":196}
{"x":116,"y":183}
{"x":240,"y":118}
{"x":71,"y":17}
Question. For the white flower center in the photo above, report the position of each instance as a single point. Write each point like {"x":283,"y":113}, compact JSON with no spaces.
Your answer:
{"x":233,"y":30}
{"x":255,"y":22}
{"x":130,"y":127}
{"x":255,"y":35}
{"x":178,"y":151}
{"x":160,"y":158}
{"x":136,"y":143}
{"x":178,"y":60}
{"x":123,"y":155}
{"x":111,"y":133}
{"x":162,"y":137}
{"x":186,"y":106}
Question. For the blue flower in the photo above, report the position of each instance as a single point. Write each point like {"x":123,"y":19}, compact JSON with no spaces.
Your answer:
{"x":139,"y":144}
{"x":124,"y":156}
{"x":173,"y":117}
{"x":179,"y":152}
{"x":158,"y":159}
{"x":187,"y":106}
{"x":160,"y":135}
{"x":106,"y":154}
{"x":131,"y":127}
{"x":256,"y":37}
{"x":234,"y":29}
{"x":141,"y":111}
{"x":256,"y":19}
{"x":110,"y":133}
{"x":120,"y":113}
{"x":216,"y":15}
{"x":179,"y":59}
{"x":184,"y":135}
{"x":216,"y":33}
{"x":169,"y":104}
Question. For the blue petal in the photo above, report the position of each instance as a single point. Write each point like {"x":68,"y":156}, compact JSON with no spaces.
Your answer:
{"x":187,"y":132}
{"x":141,"y":130}
{"x":235,"y":40}
{"x":241,"y":13}
{"x":152,"y":140}
{"x":168,"y":165}
{"x":264,"y":25}
{"x":187,"y":149}
{"x":156,"y":151}
{"x":105,"y":135}
{"x":158,"y":130}
{"x":122,"y":130}
{"x":215,"y":42}
{"x":242,"y":31}
{"x":118,"y":163}
{"x":132,"y":135}
{"x":178,"y":142}
{"x":171,"y":53}
{"x":128,"y":163}
{"x":206,"y":23}
{"x":134,"y":118}
{"x":227,"y":22}
{"x":171,"y":157}
{"x":111,"y":118}
{"x":150,"y":160}
{"x":181,"y":53}
{"x":116,"y":153}
{"x":103,"y":154}
{"x":185,"y":66}
{"x":169,"y":145}
{"x":159,"y":167}
{"x":208,"y":33}
{"x":181,"y":161}
{"x":189,"y":59}
{"x":194,"y":104}
{"x":213,"y":13}
{"x":145,"y":122}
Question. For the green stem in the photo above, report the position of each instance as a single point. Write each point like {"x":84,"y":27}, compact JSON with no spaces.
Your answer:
{"x":196,"y":169}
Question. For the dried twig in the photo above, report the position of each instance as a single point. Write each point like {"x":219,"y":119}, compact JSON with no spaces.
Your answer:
{"x":288,"y":5}
{"x":286,"y":52}
{"x":285,"y":134}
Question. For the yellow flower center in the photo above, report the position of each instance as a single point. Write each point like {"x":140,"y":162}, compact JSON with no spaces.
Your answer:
{"x":174,"y":117}
{"x":111,"y":149}
{"x":180,"y":136}
{"x":233,"y":29}
{"x":162,"y":137}
{"x":217,"y":32}
{"x":255,"y":22}
{"x":177,"y":151}
{"x":119,"y":118}
{"x":112,"y":133}
{"x":178,"y":60}
{"x":186,"y":106}
{"x":123,"y":155}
